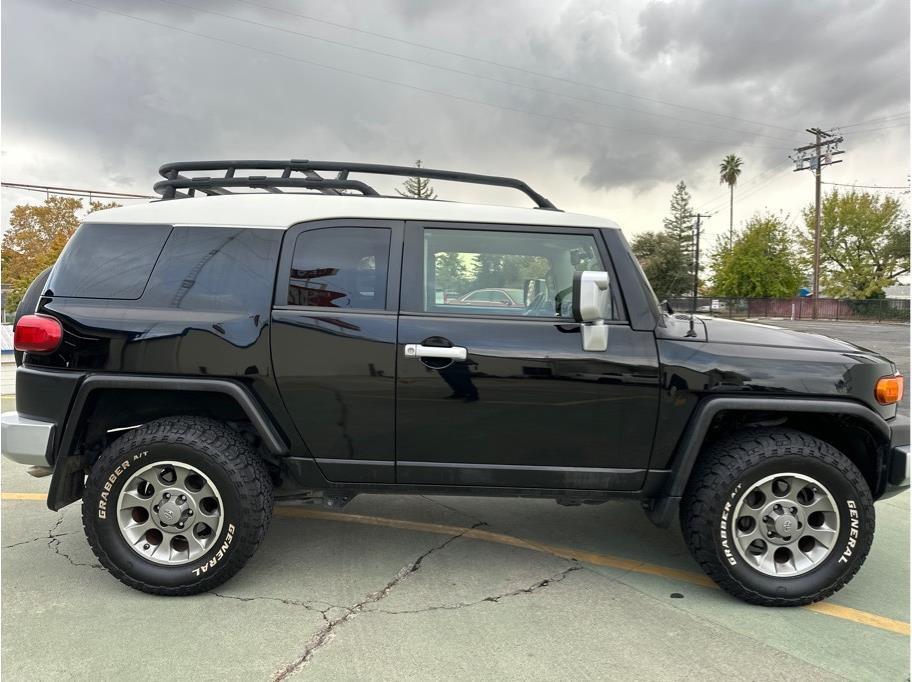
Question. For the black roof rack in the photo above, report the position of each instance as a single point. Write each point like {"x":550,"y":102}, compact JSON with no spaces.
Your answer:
{"x":312,"y":180}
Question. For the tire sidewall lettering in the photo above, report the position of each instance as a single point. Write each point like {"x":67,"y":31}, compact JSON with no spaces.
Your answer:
{"x":854,"y":519}
{"x":222,"y":551}
{"x":729,"y":555}
{"x":105,"y":496}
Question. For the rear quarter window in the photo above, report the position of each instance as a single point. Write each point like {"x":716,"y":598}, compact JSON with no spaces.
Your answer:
{"x":108,"y":261}
{"x":216,"y":269}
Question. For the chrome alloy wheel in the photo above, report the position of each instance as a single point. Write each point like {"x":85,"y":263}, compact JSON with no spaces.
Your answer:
{"x":785,"y":525}
{"x":169,"y":513}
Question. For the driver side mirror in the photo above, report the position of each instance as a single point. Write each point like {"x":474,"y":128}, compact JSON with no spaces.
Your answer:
{"x":591,"y":307}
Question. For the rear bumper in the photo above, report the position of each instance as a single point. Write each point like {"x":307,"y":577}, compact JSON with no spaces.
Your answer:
{"x":25,"y":440}
{"x":898,"y":474}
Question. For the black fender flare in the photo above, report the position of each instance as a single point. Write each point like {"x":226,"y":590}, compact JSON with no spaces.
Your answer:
{"x":665,"y":508}
{"x":67,"y":481}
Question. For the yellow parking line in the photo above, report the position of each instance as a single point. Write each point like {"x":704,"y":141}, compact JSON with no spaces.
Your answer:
{"x":863,"y":617}
{"x":825,"y":608}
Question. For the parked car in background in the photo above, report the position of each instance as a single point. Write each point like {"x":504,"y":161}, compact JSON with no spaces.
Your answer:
{"x":511,"y":298}
{"x":713,"y":306}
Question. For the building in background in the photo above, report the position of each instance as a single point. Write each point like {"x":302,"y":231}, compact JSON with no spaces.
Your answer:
{"x":898,"y":291}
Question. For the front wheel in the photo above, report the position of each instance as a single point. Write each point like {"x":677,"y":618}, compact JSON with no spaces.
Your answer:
{"x":176,"y":506}
{"x":777,"y":517}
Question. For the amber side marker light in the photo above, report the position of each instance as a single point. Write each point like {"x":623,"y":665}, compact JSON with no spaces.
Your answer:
{"x":889,"y":390}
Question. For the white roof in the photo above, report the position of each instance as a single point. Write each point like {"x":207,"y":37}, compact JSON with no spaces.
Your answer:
{"x":279,"y":211}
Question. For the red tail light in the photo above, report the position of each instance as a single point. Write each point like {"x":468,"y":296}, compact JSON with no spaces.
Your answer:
{"x":37,"y":334}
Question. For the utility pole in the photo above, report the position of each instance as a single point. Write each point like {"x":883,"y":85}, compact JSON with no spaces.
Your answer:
{"x":696,"y":264}
{"x":814,"y":157}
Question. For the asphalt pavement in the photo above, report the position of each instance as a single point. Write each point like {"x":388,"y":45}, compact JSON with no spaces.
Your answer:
{"x":411,"y":587}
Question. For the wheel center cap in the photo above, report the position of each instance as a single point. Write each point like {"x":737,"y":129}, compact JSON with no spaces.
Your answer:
{"x":786,"y":525}
{"x":169,"y":513}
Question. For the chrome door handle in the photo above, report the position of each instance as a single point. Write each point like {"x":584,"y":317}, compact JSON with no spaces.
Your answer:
{"x":416,"y":350}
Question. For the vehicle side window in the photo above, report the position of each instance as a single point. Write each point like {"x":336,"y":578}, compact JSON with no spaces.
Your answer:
{"x":504,"y":272}
{"x":225,"y":269}
{"x":340,"y":267}
{"x":108,"y":261}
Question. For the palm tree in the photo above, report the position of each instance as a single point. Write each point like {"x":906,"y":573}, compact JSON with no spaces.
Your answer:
{"x":729,"y":170}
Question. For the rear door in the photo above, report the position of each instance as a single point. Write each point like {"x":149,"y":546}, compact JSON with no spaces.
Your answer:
{"x":522,"y":405}
{"x":334,"y":343}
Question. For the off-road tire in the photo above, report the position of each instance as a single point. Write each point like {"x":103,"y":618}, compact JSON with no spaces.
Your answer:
{"x":736,"y":462}
{"x":214,"y":449}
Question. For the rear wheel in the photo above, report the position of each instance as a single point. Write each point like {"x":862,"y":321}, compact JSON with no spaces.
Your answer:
{"x":777,"y":517}
{"x":177,"y":506}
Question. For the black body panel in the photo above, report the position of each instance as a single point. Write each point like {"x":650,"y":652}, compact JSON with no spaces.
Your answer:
{"x":336,"y":366}
{"x":205,"y":313}
{"x":691,"y":370}
{"x":340,"y":392}
{"x":540,"y":401}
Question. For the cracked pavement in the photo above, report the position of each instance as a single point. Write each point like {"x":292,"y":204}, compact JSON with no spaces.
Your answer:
{"x":330,"y":599}
{"x":353,"y":601}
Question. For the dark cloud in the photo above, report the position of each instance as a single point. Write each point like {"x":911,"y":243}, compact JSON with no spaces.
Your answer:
{"x":89,"y":92}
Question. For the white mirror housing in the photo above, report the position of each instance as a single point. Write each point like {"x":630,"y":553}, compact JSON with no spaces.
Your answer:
{"x":591,"y":307}
{"x":590,"y":296}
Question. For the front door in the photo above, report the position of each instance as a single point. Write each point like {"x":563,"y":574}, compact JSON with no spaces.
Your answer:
{"x":493,"y":386}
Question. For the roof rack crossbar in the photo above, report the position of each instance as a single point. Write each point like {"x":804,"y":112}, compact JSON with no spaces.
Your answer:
{"x":174,"y":180}
{"x":168,"y":188}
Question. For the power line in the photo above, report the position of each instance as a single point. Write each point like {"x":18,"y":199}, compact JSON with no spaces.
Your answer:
{"x":470,"y":74}
{"x":874,"y":130}
{"x":874,"y":120}
{"x":529,"y":72}
{"x":564,"y":119}
{"x":75,"y":192}
{"x":845,"y":184}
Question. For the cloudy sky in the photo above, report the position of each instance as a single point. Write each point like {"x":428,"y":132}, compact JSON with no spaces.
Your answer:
{"x":601,"y":106}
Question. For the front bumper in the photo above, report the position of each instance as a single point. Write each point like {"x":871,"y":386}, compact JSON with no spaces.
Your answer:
{"x":898,"y":475}
{"x":25,"y":440}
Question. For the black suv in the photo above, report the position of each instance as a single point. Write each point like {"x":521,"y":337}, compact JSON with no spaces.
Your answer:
{"x":187,"y":359}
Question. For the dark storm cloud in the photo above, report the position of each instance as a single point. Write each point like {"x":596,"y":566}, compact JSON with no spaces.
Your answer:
{"x":823,"y":55}
{"x":122,"y":96}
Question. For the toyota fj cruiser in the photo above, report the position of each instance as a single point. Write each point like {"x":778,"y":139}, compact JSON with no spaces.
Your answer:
{"x":187,"y":360}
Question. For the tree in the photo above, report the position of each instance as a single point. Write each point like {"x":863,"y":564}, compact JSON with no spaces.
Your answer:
{"x":452,"y":273}
{"x":36,"y":236}
{"x":864,"y":243}
{"x":417,"y":188}
{"x":666,"y":267}
{"x":729,"y":171}
{"x":680,"y":225}
{"x":761,"y":262}
{"x":507,"y":270}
